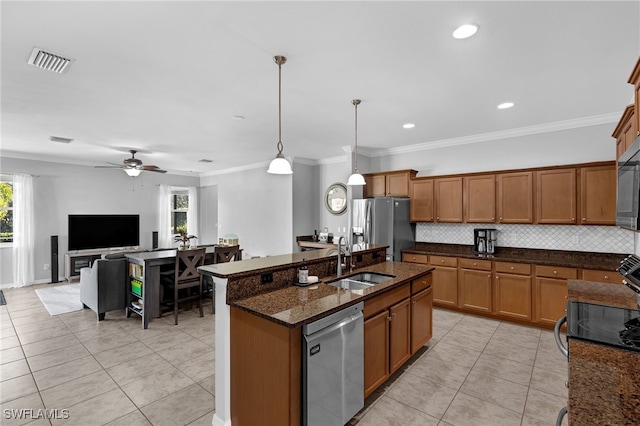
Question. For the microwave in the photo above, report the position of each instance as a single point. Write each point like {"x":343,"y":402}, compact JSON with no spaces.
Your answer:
{"x":628,"y":197}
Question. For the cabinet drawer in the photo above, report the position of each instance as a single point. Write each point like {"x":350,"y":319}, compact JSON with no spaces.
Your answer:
{"x":391,"y":297}
{"x":556,"y":272}
{"x":601,"y":276}
{"x":415,"y":258}
{"x":443,"y":261}
{"x":513,"y":268}
{"x":421,"y":283}
{"x":483,"y":265}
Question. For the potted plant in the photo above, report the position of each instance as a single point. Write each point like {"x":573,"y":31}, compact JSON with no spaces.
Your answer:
{"x":184,"y":240}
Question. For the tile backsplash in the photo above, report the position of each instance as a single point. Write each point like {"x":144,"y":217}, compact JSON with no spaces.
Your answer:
{"x":602,"y":239}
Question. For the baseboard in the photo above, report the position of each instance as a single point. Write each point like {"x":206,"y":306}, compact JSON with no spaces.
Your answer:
{"x":42,"y":281}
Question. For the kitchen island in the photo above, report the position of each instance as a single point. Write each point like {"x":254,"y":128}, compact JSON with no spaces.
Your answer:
{"x":259,"y":316}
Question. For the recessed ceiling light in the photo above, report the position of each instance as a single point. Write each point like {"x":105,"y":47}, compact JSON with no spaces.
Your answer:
{"x":465,"y":31}
{"x":505,"y":105}
{"x":408,"y":126}
{"x":238,"y":117}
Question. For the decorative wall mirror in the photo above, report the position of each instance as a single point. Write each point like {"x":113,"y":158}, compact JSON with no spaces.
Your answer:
{"x":335,"y":199}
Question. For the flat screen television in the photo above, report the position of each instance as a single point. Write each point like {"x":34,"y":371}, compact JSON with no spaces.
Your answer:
{"x":97,"y":231}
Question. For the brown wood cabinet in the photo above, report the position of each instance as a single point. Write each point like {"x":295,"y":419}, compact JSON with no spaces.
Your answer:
{"x":550,"y":292}
{"x":624,"y":131}
{"x":474,"y":285}
{"x":480,"y":199}
{"x":515,"y":197}
{"x":415,"y":258}
{"x":388,"y":184}
{"x":448,"y":199}
{"x":556,"y":196}
{"x":512,"y":290}
{"x":421,"y":205}
{"x":376,"y":351}
{"x":612,"y":277}
{"x":634,"y":79}
{"x":421,"y":318}
{"x":399,"y":334}
{"x":597,"y":195}
{"x":445,"y":280}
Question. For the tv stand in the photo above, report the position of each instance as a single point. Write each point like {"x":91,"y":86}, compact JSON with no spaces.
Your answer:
{"x":74,"y":260}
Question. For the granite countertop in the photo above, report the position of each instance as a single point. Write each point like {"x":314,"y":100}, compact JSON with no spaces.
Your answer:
{"x":572,"y":259}
{"x":293,"y":306}
{"x":601,"y":293}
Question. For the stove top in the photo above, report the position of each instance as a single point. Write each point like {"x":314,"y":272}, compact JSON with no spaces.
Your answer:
{"x":609,"y":325}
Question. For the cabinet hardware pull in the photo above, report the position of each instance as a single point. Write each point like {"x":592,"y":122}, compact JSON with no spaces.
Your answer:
{"x":512,"y":268}
{"x":573,"y":218}
{"x":475,"y":264}
{"x":388,"y":318}
{"x":438,"y":217}
{"x":488,"y":276}
{"x":442,"y":261}
{"x":606,"y":277}
{"x":555,"y":272}
{"x":584,"y":219}
{"x":497,"y":277}
{"x":413,"y":303}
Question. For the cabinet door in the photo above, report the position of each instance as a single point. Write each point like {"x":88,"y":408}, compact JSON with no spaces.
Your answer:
{"x":399,"y":334}
{"x":445,"y":286}
{"x":375,"y":186}
{"x":448,"y":193}
{"x":598,"y":195}
{"x":612,"y":277}
{"x":421,"y":319}
{"x":512,"y":296}
{"x":629,"y":131}
{"x":397,"y":185}
{"x":376,"y":351}
{"x":415,"y":258}
{"x":480,"y":199}
{"x":556,"y":196}
{"x":550,"y":300}
{"x":515,"y":197}
{"x":421,"y":205}
{"x":474,"y":291}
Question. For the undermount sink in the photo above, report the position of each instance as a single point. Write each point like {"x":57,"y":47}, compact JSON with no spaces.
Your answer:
{"x":361,"y":281}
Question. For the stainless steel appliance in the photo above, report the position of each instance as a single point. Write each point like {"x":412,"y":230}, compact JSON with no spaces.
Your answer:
{"x":385,"y":221}
{"x":628,"y":202}
{"x":484,"y":240}
{"x":630,"y":269}
{"x":333,"y":368}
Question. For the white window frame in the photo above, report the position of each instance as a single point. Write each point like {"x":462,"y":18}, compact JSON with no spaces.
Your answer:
{"x":177,"y":191}
{"x":6,"y":178}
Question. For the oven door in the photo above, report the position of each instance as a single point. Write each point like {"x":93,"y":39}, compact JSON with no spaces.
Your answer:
{"x":628,"y":201}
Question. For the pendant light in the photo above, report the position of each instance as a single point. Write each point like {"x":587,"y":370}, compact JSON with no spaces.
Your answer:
{"x":280,"y":165}
{"x":356,"y":179}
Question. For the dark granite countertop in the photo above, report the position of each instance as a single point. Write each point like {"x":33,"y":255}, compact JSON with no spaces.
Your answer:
{"x":293,"y":306}
{"x":572,"y":259}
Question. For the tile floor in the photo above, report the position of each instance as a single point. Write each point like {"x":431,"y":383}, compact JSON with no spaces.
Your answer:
{"x":474,"y":371}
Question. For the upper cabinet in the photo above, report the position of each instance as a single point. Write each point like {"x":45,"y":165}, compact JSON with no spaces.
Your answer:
{"x":556,"y":196}
{"x":515,"y":197}
{"x":388,"y":184}
{"x":597,"y":195}
{"x":448,"y":192}
{"x":626,"y":130}
{"x":421,"y":205}
{"x":480,"y":199}
{"x":635,"y":80}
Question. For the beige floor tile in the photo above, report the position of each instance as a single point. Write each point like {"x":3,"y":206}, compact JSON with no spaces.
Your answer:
{"x":429,"y":397}
{"x":504,"y":368}
{"x":17,"y":387}
{"x":387,"y":411}
{"x":543,"y":406}
{"x":75,"y":391}
{"x":512,"y":352}
{"x":135,"y":418}
{"x":466,"y":410}
{"x":204,"y":420}
{"x":57,"y":357}
{"x":52,"y":322}
{"x":528,"y":341}
{"x":167,"y":340}
{"x":178,"y":354}
{"x":496,"y":390}
{"x":24,"y":304}
{"x":9,"y":342}
{"x":209,"y":384}
{"x":181,"y":407}
{"x":49,"y":345}
{"x":98,"y":410}
{"x":53,"y":376}
{"x":45,"y":334}
{"x":456,"y":354}
{"x":102,"y":329}
{"x":7,"y":330}
{"x":14,"y":369}
{"x":436,"y":369}
{"x":102,"y":344}
{"x":550,"y":381}
{"x":518,"y":329}
{"x":480,"y":324}
{"x":200,"y":367}
{"x":11,"y":355}
{"x":465,"y":339}
{"x":122,"y":354}
{"x":26,"y":316}
{"x":153,"y":387}
{"x":447,"y":319}
{"x":139,"y":368}
{"x":530,"y":421}
{"x":16,"y":412}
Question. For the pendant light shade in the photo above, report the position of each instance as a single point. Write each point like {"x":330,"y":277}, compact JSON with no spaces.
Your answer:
{"x":133,"y":172}
{"x":280,"y":165}
{"x":356,"y":179}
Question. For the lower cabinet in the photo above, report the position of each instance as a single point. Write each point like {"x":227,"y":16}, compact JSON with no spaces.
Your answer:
{"x":512,"y":290}
{"x":376,"y":351}
{"x":399,"y":334}
{"x":474,"y":285}
{"x":550,"y":293}
{"x":421,"y":318}
{"x":445,"y":280}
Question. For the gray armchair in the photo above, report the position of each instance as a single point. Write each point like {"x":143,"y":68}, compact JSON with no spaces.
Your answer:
{"x":103,"y":287}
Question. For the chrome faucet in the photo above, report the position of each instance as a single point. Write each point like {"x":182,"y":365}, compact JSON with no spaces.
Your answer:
{"x":340,"y":266}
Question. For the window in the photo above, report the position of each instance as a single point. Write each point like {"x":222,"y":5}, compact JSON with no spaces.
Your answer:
{"x":179,"y":210}
{"x":6,"y":211}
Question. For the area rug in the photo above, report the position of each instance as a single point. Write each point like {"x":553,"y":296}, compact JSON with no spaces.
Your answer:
{"x":61,"y":299}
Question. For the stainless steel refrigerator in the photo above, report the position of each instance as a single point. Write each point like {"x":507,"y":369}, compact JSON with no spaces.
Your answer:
{"x":383,"y":221}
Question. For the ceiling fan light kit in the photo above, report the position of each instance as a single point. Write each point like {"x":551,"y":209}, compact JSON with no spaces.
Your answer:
{"x":133,"y":166}
{"x":356,"y":179}
{"x":132,"y":172}
{"x":280,"y":165}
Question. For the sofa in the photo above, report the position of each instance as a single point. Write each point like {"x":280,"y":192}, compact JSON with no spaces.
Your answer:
{"x":103,"y":286}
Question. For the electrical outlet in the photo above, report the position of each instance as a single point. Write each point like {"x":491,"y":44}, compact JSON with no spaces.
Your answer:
{"x":266,"y":278}
{"x":47,"y":266}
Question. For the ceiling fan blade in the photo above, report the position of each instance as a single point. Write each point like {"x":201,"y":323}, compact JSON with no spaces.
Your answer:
{"x":109,"y":167}
{"x":155,"y":170}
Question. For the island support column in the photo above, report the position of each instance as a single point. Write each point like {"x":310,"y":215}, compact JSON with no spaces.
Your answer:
{"x":222,"y":416}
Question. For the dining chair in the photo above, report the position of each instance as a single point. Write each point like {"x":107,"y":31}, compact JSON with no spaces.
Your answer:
{"x":221,"y":254}
{"x":187,"y":281}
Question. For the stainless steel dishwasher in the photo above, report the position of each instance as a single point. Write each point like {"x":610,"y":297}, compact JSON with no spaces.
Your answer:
{"x":333,"y":368}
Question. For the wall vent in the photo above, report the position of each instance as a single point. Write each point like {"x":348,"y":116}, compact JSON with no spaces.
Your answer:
{"x":59,"y":139}
{"x":49,"y":61}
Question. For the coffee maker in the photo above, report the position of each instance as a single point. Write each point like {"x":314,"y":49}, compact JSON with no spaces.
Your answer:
{"x":484,"y":241}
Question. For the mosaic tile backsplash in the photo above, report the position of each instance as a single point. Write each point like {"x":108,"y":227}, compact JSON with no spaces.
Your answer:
{"x":601,"y":239}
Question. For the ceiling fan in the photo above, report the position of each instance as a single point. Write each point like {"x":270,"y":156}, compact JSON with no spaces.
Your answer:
{"x":133,"y":166}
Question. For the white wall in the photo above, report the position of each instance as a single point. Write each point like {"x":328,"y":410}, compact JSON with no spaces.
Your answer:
{"x":329,"y":174}
{"x":63,"y":189}
{"x":208,"y":215}
{"x":306,"y":203}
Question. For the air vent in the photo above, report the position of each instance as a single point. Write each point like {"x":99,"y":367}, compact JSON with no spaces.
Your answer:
{"x":58,"y":139}
{"x":204,"y":160}
{"x":49,"y":61}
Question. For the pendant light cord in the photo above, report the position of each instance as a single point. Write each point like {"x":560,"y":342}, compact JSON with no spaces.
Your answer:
{"x":280,"y":146}
{"x":356,"y":102}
